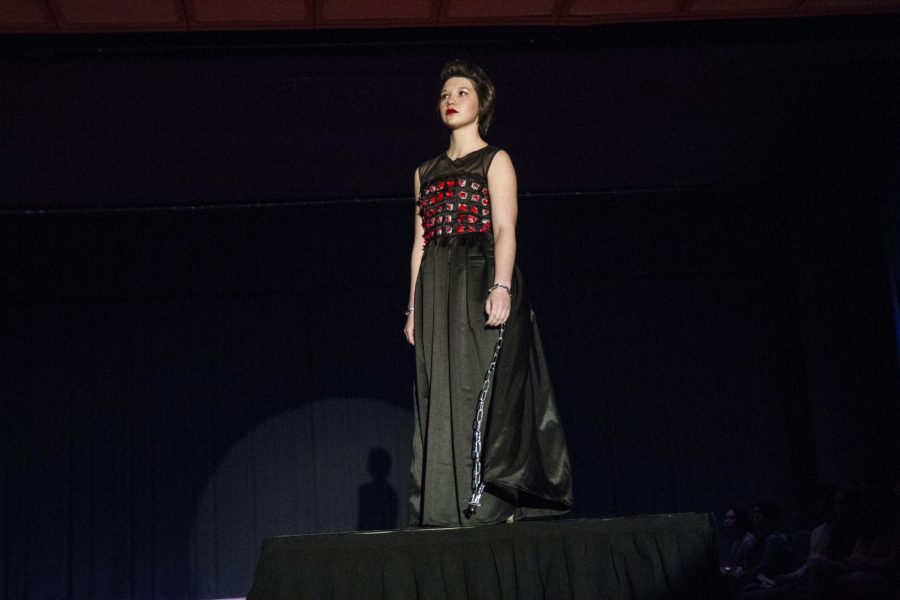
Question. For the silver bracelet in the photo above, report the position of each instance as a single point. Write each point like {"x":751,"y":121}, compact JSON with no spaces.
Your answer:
{"x":409,"y":311}
{"x":500,"y":285}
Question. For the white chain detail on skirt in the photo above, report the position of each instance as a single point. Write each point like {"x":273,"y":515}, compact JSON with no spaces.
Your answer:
{"x":477,"y":483}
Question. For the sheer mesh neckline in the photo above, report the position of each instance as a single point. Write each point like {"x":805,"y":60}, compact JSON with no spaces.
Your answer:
{"x":467,"y":154}
{"x":474,"y":164}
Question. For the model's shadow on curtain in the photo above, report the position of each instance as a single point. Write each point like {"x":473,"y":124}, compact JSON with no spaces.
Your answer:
{"x":310,"y":469}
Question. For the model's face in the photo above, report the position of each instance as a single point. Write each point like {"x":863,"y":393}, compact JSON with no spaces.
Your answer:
{"x":459,"y":102}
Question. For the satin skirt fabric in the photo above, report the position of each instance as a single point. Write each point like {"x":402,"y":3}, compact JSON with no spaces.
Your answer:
{"x":525,"y":462}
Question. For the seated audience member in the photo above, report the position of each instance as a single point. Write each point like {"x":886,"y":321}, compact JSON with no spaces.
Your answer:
{"x":874,"y":563}
{"x":829,"y":545}
{"x":771,"y":553}
{"x":740,"y":539}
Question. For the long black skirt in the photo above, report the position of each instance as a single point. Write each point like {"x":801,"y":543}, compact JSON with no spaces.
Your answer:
{"x":525,"y":462}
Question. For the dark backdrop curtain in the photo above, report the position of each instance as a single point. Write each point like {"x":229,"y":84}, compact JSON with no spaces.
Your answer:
{"x":893,"y":250}
{"x":177,"y":383}
{"x":180,"y":384}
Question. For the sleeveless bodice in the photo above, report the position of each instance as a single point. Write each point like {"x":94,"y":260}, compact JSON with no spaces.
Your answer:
{"x":453,"y":195}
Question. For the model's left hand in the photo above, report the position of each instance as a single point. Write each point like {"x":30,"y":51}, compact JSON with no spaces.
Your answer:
{"x":497,"y":307}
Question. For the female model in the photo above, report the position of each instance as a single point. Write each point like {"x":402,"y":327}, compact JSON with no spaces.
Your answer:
{"x":488,"y":445}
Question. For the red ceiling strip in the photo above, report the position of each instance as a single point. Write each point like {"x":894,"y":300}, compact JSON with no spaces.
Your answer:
{"x":118,"y":15}
{"x":498,"y":12}
{"x":250,"y":14}
{"x":59,"y":16}
{"x":27,"y":16}
{"x":342,"y":14}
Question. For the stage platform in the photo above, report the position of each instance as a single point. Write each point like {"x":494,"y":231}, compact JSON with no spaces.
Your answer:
{"x":646,"y":558}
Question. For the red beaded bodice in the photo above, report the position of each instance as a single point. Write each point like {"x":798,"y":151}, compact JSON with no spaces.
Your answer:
{"x":454,"y":206}
{"x":454,"y":198}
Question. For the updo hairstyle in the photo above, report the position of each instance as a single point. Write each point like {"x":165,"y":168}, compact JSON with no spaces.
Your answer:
{"x":483,"y":88}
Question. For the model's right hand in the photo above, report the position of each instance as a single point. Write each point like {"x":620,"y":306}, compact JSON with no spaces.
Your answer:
{"x":410,"y":330}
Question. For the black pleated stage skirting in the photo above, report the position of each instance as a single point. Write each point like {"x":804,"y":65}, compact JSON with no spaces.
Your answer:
{"x":652,"y":558}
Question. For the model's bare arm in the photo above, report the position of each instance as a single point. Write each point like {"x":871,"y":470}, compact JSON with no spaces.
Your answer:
{"x":415,"y":260}
{"x":504,"y":212}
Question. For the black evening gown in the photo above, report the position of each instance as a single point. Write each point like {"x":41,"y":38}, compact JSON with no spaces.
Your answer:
{"x":525,"y":464}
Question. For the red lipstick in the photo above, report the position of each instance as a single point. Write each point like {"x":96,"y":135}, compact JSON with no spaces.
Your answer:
{"x":451,"y":111}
